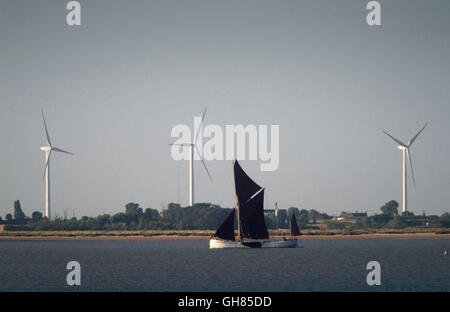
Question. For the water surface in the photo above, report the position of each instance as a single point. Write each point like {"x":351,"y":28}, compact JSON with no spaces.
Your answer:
{"x":319,"y":265}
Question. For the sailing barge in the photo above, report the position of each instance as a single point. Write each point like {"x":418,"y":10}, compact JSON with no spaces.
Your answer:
{"x":251,"y":228}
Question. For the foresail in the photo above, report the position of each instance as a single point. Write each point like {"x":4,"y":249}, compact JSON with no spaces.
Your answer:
{"x":226,"y":230}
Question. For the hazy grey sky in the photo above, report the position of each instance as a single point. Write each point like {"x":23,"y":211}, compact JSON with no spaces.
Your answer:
{"x":113,"y":88}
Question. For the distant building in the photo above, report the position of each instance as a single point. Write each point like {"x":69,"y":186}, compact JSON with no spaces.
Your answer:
{"x":349,"y":216}
{"x":279,"y":217}
{"x":269,"y":213}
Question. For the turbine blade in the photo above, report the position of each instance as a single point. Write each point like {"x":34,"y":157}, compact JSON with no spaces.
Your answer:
{"x":204,"y":165}
{"x":46,"y":164}
{"x":207,"y":171}
{"x":201,"y":123}
{"x":46,"y":131}
{"x":411,"y":166}
{"x":61,"y":151}
{"x":398,"y":141}
{"x":415,"y":137}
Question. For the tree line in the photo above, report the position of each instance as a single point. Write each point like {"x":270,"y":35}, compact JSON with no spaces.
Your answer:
{"x":206,"y":216}
{"x":202,"y":216}
{"x":390,"y":218}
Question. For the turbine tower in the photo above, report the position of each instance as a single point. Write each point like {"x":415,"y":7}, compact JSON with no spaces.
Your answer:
{"x":192,"y":146}
{"x":406,"y":153}
{"x":48,"y":149}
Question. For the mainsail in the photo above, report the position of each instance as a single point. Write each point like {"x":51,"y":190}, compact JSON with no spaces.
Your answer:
{"x":295,"y":231}
{"x":226,"y":230}
{"x":250,"y":205}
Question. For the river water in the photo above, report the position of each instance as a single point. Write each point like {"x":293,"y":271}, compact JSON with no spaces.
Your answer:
{"x":318,"y":265}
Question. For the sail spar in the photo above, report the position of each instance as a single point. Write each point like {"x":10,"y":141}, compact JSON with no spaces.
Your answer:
{"x":250,"y":202}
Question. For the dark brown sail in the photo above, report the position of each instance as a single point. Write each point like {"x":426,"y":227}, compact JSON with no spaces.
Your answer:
{"x":245,"y":187}
{"x":252,"y":218}
{"x":226,"y":230}
{"x":295,"y":231}
{"x":250,"y":198}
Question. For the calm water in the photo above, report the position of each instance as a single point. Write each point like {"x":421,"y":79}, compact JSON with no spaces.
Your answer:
{"x":321,"y":265}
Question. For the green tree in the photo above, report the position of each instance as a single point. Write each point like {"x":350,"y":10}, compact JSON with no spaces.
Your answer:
{"x":304,"y":213}
{"x":396,"y":223}
{"x":18,"y":213}
{"x":133,"y":212}
{"x":291,"y":211}
{"x":407,"y":214}
{"x":435,"y":222}
{"x":103,"y":220}
{"x":36,"y":216}
{"x":445,"y":220}
{"x":283,"y":222}
{"x":313,"y":215}
{"x":390,"y":208}
{"x":9,"y":217}
{"x":119,"y":217}
{"x":151,"y":215}
{"x":379,"y":220}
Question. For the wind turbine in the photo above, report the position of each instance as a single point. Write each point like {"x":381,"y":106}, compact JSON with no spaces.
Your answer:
{"x":48,"y":149}
{"x":192,"y":146}
{"x":406,"y":153}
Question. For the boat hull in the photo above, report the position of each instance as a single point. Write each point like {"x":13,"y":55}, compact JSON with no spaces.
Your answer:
{"x":220,"y":243}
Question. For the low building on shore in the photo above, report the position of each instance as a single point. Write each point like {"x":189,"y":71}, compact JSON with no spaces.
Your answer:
{"x":349,"y":216}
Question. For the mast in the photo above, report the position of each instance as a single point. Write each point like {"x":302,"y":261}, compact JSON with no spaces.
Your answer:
{"x":236,"y":200}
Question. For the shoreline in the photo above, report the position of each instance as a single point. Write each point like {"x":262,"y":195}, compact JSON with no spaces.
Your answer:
{"x":132,"y":237}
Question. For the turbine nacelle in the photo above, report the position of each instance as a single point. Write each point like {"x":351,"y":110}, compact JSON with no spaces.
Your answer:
{"x":46,"y":148}
{"x":402,"y":148}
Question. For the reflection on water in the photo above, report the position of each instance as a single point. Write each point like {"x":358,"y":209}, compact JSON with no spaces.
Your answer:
{"x":320,"y":265}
